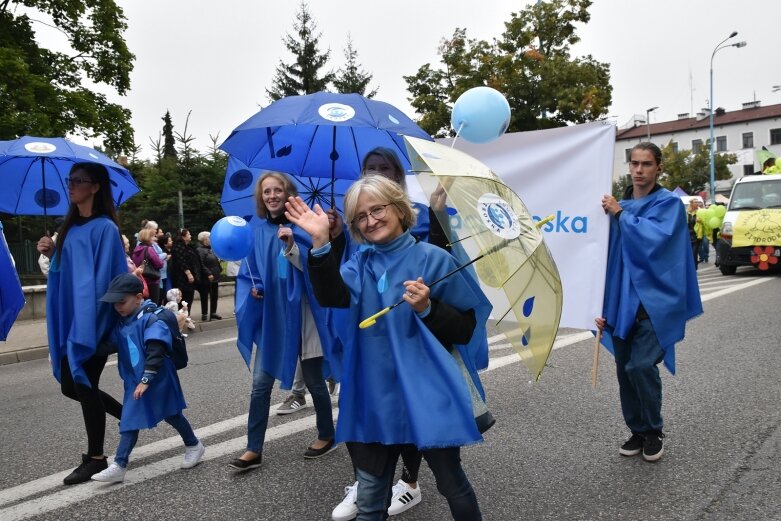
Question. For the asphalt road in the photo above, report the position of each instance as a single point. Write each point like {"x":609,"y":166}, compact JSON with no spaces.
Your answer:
{"x":552,"y":455}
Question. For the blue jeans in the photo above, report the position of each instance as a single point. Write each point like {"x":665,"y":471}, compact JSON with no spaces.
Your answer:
{"x":260,"y":402}
{"x":704,"y":250}
{"x":374,"y":492}
{"x":639,"y":384}
{"x":127,"y":440}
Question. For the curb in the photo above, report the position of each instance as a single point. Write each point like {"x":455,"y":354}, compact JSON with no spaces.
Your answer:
{"x":37,"y":352}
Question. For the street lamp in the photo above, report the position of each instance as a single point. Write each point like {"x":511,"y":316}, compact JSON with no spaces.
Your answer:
{"x":712,"y":105}
{"x":648,"y":123}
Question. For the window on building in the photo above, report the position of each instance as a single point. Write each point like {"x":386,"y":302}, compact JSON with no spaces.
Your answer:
{"x":675,"y":147}
{"x":748,"y":140}
{"x":627,"y":154}
{"x":748,"y":169}
{"x":696,"y":145}
{"x":775,"y":136}
{"x":721,"y":144}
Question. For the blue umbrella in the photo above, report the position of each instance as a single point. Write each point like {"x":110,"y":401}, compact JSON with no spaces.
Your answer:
{"x":238,"y":192}
{"x":11,"y":294}
{"x":33,"y":172}
{"x":320,"y":135}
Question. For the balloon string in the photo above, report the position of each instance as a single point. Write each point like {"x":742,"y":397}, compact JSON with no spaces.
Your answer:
{"x":250,"y":272}
{"x":453,"y":144}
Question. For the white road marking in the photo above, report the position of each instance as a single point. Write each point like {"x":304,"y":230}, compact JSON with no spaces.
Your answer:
{"x":68,"y":496}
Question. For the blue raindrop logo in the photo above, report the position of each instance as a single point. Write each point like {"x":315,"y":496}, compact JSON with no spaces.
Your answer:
{"x":285,"y":151}
{"x":132,"y":349}
{"x":392,"y":119}
{"x":382,"y":284}
{"x":528,"y":306}
{"x":47,"y":198}
{"x":240,"y":180}
{"x":527,"y":336}
{"x":336,"y":112}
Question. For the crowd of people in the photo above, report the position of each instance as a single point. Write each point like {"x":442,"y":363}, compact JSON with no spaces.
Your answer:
{"x":311,"y":277}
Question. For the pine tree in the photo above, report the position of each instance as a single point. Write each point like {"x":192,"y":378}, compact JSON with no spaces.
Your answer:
{"x":169,"y":144}
{"x":301,"y":77}
{"x":351,"y":78}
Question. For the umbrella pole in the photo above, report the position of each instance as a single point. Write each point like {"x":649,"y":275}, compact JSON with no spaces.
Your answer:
{"x":334,"y":156}
{"x":45,"y":203}
{"x":596,"y":360}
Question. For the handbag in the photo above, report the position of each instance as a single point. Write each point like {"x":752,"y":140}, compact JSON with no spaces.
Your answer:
{"x":150,"y":271}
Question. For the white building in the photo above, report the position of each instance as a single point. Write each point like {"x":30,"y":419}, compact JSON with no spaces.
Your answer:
{"x":740,"y":132}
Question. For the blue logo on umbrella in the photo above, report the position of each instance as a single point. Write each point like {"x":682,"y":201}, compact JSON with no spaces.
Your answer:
{"x":47,"y":198}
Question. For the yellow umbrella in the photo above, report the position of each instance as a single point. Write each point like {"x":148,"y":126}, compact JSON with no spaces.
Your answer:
{"x":515,"y":269}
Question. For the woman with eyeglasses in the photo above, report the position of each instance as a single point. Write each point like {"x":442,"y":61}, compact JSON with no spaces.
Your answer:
{"x":88,"y":254}
{"x":276,"y":311}
{"x":409,"y":352}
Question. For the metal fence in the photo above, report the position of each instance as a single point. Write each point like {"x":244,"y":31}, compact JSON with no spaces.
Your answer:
{"x":25,"y":256}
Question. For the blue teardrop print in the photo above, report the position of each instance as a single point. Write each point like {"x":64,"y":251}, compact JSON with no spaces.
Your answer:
{"x":382,"y":284}
{"x":132,"y":349}
{"x":528,"y":306}
{"x":282,"y":264}
{"x":527,"y":336}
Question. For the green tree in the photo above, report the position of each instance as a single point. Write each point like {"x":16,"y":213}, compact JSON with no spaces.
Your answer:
{"x":530,"y":63}
{"x":169,"y":144}
{"x":691,"y":170}
{"x":351,"y":78}
{"x":41,"y":91}
{"x":303,"y":76}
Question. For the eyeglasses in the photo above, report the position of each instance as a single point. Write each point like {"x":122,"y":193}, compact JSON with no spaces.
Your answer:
{"x":76,"y":181}
{"x":378,"y":212}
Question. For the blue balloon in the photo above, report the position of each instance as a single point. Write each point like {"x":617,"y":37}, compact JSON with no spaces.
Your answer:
{"x":482,"y":114}
{"x":231,"y":238}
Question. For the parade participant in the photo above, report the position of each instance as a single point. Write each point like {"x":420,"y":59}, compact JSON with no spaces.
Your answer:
{"x":276,"y":311}
{"x":153,"y":393}
{"x":651,"y":291}
{"x":87,"y":256}
{"x":406,"y":353}
{"x":696,"y":229}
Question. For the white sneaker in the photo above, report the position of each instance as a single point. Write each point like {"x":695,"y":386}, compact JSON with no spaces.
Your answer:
{"x":193,"y":455}
{"x":113,"y":474}
{"x":404,"y":498}
{"x":347,"y":509}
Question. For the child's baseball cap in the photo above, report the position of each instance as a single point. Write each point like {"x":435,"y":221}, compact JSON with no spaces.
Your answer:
{"x":125,"y":284}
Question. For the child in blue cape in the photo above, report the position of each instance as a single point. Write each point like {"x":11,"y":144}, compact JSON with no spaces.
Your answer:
{"x":152,"y":390}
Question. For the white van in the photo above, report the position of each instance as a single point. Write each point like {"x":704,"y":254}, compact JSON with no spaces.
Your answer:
{"x":753,"y":219}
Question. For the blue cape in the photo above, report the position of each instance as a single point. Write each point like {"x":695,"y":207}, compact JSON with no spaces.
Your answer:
{"x":400,"y":384}
{"x":164,"y":396}
{"x":76,"y":320}
{"x":274,"y":322}
{"x":650,"y":262}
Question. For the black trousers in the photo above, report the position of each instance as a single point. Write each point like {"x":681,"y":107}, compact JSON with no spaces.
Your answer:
{"x":208,"y":293}
{"x":94,"y":402}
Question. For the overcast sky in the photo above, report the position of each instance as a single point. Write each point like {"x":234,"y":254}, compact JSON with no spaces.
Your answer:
{"x":217,"y":58}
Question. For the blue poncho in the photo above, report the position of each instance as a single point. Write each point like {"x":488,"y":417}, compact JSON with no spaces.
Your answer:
{"x":650,"y":262}
{"x":399,"y":383}
{"x":274,"y":322}
{"x":164,"y":396}
{"x":77,"y":321}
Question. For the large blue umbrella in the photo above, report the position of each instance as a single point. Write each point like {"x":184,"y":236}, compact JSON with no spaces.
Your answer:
{"x":238,"y":192}
{"x":11,"y":294}
{"x":321,"y":135}
{"x":33,"y":172}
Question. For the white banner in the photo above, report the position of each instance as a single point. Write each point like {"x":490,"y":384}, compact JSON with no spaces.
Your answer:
{"x":562,"y":172}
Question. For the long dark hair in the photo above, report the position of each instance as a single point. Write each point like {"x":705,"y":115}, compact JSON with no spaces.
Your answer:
{"x":102,"y":203}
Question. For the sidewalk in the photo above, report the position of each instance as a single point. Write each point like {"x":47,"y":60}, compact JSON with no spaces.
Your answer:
{"x":27,"y":339}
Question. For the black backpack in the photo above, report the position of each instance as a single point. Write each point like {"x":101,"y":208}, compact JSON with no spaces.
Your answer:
{"x":178,"y":344}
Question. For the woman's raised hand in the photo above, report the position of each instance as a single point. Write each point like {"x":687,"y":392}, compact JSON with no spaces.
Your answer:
{"x":315,"y":221}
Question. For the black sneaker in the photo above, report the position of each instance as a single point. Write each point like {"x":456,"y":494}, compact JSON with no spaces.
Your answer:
{"x":215,"y":316}
{"x":653,"y":446}
{"x":633,"y":446}
{"x":86,"y":470}
{"x":242,"y":465}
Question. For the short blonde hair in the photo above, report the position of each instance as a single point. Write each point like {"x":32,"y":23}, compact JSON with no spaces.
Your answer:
{"x":392,"y":159}
{"x":290,"y":190}
{"x":383,"y":189}
{"x":146,"y":235}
